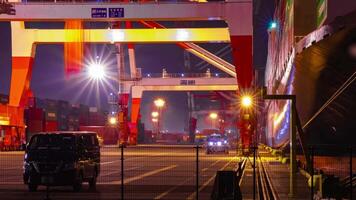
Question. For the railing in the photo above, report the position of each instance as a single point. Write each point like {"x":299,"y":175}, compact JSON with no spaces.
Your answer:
{"x":138,"y":77}
{"x":186,"y":75}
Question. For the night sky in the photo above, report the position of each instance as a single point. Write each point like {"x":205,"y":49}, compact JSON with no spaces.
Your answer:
{"x":48,"y":80}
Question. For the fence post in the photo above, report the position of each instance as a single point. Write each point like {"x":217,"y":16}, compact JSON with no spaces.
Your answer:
{"x":312,"y":173}
{"x":197,"y":173}
{"x":122,"y":171}
{"x":351,"y":172}
{"x":254,"y":172}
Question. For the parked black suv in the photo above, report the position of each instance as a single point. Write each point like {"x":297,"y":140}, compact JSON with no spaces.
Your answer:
{"x":62,"y":158}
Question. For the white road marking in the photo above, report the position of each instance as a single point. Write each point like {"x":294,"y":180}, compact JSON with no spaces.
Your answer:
{"x":173,"y":188}
{"x":135,"y":178}
{"x":183,"y":182}
{"x":118,"y":171}
{"x":208,"y":181}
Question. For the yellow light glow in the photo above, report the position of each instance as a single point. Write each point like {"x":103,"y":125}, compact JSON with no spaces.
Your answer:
{"x":129,"y":35}
{"x":154,"y":114}
{"x":246,"y":101}
{"x":5,"y":121}
{"x":159,"y":102}
{"x":154,"y":120}
{"x":112,"y":120}
{"x":213,"y":115}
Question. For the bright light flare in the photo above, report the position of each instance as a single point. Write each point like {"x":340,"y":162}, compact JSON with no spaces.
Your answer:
{"x":154,"y":114}
{"x":96,"y":71}
{"x":213,"y":115}
{"x":113,"y":120}
{"x":182,"y":35}
{"x":154,"y":120}
{"x":159,"y":102}
{"x":246,"y":101}
{"x":273,"y":25}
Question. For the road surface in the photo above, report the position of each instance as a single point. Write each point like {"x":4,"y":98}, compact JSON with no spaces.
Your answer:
{"x":151,"y":172}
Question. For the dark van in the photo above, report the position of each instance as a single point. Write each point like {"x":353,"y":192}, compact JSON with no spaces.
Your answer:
{"x":62,"y":158}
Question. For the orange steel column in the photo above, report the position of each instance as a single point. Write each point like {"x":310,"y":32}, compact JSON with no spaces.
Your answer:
{"x":242,"y":57}
{"x":135,"y":110}
{"x":23,"y":52}
{"x":74,"y":51}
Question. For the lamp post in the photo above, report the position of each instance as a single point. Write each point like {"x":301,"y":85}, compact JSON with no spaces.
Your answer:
{"x":159,"y":103}
{"x":247,"y":109}
{"x":292,"y":136}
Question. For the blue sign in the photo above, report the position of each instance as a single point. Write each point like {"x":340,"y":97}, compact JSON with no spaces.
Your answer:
{"x":99,"y":12}
{"x":116,"y":12}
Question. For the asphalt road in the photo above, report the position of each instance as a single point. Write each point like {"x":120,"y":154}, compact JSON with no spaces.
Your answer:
{"x":150,"y":172}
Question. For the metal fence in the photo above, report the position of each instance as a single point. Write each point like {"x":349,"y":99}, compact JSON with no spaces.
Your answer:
{"x":333,"y":171}
{"x":188,"y":172}
{"x":134,"y":172}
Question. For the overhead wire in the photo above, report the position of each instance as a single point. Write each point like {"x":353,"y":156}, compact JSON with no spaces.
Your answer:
{"x":342,"y":88}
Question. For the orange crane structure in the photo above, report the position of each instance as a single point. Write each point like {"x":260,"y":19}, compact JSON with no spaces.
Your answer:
{"x":236,"y":13}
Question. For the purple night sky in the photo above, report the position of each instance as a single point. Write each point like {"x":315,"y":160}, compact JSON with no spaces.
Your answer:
{"x":48,"y":79}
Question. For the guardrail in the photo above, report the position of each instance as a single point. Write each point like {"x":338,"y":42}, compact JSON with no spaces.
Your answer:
{"x":186,"y":75}
{"x":174,"y":75}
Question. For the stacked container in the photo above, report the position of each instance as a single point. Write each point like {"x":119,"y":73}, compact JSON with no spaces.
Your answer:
{"x":34,"y":121}
{"x":51,"y":115}
{"x":62,"y":115}
{"x":84,"y":115}
{"x":73,"y":118}
{"x":97,"y":117}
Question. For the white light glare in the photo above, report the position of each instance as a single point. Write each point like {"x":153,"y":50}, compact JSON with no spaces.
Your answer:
{"x":96,"y":71}
{"x":182,"y":35}
{"x":117,"y":36}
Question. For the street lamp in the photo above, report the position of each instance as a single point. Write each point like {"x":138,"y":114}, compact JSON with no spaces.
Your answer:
{"x":154,"y":114}
{"x":213,"y":115}
{"x":159,"y":102}
{"x":113,"y":120}
{"x":246,"y":101}
{"x":96,"y":71}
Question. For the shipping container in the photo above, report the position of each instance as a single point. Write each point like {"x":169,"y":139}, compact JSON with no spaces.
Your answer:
{"x":97,"y":119}
{"x":51,"y":115}
{"x":110,"y":135}
{"x":84,"y":120}
{"x":51,"y":126}
{"x":34,"y":126}
{"x":84,"y":109}
{"x":34,"y":114}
